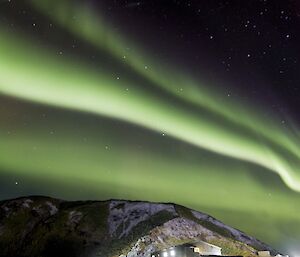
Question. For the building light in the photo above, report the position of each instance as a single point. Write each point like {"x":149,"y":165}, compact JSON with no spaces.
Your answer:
{"x":196,"y":250}
{"x":172,"y":252}
{"x":165,"y":254}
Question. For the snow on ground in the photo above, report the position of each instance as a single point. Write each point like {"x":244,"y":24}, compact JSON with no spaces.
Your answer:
{"x":238,"y":235}
{"x":178,"y":228}
{"x":182,"y":228}
{"x":53,"y":209}
{"x":126,"y":215}
{"x":27,"y":203}
{"x":74,"y":218}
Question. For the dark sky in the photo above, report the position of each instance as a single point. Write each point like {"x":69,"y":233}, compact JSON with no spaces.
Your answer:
{"x":250,"y":49}
{"x":251,"y":45}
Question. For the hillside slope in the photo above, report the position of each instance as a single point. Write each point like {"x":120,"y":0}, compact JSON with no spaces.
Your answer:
{"x":41,"y":226}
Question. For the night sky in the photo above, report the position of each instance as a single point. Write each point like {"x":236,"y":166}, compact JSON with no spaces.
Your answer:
{"x":192,"y":102}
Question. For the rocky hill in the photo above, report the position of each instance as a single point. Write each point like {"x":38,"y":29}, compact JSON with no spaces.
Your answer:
{"x":40,"y":227}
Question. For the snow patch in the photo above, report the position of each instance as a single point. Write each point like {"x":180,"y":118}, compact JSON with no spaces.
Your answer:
{"x":7,"y":211}
{"x":180,"y":229}
{"x":75,"y":217}
{"x":27,"y":203}
{"x":126,"y":215}
{"x":139,"y":250}
{"x":53,"y":209}
{"x":238,"y":235}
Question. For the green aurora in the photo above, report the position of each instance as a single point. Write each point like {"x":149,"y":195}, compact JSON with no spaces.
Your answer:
{"x":144,"y":133}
